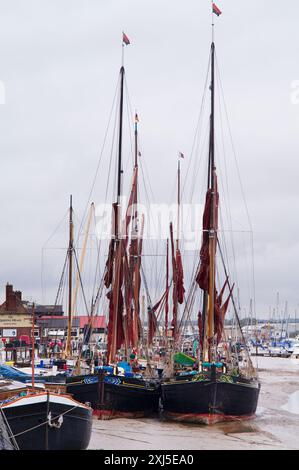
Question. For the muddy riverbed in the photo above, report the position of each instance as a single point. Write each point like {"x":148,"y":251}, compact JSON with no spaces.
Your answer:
{"x":275,"y":426}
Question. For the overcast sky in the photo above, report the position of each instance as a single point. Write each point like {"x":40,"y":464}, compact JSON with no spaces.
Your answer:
{"x":59,"y":63}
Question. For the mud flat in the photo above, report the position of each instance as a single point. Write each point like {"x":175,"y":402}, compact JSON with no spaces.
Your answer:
{"x":275,"y":426}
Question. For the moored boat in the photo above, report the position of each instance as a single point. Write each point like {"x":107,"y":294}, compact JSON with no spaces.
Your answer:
{"x":213,"y":390}
{"x":209,"y":397}
{"x":48,"y":421}
{"x":114,"y":395}
{"x":113,"y":392}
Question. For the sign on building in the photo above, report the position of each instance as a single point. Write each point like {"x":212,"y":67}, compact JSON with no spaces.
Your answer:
{"x":9,"y":333}
{"x":15,"y":321}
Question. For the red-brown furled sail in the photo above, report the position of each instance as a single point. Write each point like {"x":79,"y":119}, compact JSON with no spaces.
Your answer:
{"x":180,"y":277}
{"x":152,"y":319}
{"x":167,"y":289}
{"x":174,"y":288}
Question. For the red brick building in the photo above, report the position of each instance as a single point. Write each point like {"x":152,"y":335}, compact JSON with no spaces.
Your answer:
{"x":15,"y":316}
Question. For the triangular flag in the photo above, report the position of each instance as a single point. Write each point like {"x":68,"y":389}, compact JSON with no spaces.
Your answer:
{"x":126,"y":40}
{"x":216,"y":10}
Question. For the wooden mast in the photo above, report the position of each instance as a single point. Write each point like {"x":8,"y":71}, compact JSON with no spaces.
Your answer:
{"x":137,"y":261}
{"x":175,"y":257}
{"x":209,"y":298}
{"x":32,"y":345}
{"x":179,"y":204}
{"x":174,"y":288}
{"x":70,"y":287}
{"x":212,"y":234}
{"x":82,"y":257}
{"x":136,"y":139}
{"x":167,"y":292}
{"x":117,"y":221}
{"x":119,"y":173}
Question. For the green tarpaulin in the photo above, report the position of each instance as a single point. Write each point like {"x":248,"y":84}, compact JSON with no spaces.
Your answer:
{"x":183,"y":359}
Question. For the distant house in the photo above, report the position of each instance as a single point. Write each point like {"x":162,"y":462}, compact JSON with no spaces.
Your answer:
{"x":15,"y":316}
{"x":52,"y":326}
{"x":50,"y":321}
{"x":48,"y":310}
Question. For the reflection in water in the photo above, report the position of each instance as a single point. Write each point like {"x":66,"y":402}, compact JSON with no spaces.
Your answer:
{"x":292,"y":405}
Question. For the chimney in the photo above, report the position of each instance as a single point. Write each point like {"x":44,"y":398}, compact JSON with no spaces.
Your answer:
{"x":11,"y":298}
{"x":9,"y":290}
{"x":18,"y":294}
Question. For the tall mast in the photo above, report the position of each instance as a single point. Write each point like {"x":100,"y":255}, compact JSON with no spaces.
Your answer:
{"x":136,"y":139}
{"x":135,"y":218}
{"x":212,"y":131}
{"x":179,"y":204}
{"x":251,"y":315}
{"x":117,"y":217}
{"x":120,"y":171}
{"x":136,"y":243}
{"x":174,"y":258}
{"x":167,"y":291}
{"x":212,"y":232}
{"x":32,"y":346}
{"x":70,"y":288}
{"x":82,"y":257}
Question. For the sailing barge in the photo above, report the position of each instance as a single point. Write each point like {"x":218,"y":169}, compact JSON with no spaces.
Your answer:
{"x":129,"y":393}
{"x":216,"y":390}
{"x":209,"y":397}
{"x":114,"y":395}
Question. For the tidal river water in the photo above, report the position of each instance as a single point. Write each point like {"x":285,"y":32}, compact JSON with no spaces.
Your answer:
{"x":275,"y":426}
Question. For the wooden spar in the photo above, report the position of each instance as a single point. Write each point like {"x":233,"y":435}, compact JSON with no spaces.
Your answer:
{"x":138,"y":246}
{"x":175,"y":285}
{"x":137,"y":284}
{"x":136,"y":140}
{"x":119,"y":172}
{"x":166,"y":290}
{"x":142,"y":308}
{"x":209,"y":318}
{"x":179,"y":205}
{"x":174,"y":290}
{"x":70,"y":256}
{"x":82,"y":257}
{"x":118,"y":249}
{"x":127,"y":316}
{"x":116,"y":296}
{"x":32,"y":345}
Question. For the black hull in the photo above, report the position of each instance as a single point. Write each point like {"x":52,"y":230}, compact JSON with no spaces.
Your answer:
{"x":209,"y":401}
{"x":116,"y":396}
{"x":5,"y":443}
{"x":73,"y":434}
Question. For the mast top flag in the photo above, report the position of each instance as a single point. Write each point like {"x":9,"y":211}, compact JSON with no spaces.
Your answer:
{"x":126,"y":40}
{"x":216,"y":10}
